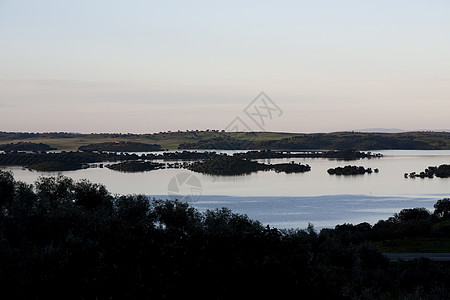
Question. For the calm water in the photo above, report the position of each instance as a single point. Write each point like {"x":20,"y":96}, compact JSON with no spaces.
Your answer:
{"x":290,"y":200}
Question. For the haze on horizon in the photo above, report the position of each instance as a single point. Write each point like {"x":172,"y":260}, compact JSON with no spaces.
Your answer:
{"x":149,"y":66}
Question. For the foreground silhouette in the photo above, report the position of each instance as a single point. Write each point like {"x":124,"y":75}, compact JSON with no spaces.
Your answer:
{"x":74,"y":240}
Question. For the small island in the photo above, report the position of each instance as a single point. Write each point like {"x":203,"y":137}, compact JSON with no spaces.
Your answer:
{"x":351,"y":170}
{"x":61,"y":161}
{"x":227,"y":165}
{"x":26,"y":146}
{"x":291,"y":168}
{"x":443,"y":171}
{"x":121,"y":146}
{"x":348,"y":154}
{"x":135,"y":166}
{"x":230,"y":165}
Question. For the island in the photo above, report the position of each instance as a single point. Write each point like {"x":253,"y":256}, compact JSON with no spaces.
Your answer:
{"x":60,"y":161}
{"x":351,"y":170}
{"x":346,"y":154}
{"x":121,"y":146}
{"x":135,"y":166}
{"x":226,"y":165}
{"x":443,"y":171}
{"x":291,"y":168}
{"x":26,"y":146}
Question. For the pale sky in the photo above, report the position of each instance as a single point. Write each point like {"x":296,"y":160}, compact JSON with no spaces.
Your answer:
{"x":149,"y":66}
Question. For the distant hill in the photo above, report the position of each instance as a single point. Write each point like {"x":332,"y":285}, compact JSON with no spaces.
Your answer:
{"x":337,"y":141}
{"x":214,"y":139}
{"x":398,"y":130}
{"x":381,"y":130}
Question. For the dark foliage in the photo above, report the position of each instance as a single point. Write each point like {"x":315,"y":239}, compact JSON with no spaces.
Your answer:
{"x":348,"y":154}
{"x":442,"y":208}
{"x":73,"y":240}
{"x":291,"y":168}
{"x":227,"y":165}
{"x":62,"y":161}
{"x":335,"y":140}
{"x":25,"y":146}
{"x":123,"y":146}
{"x":182,"y":155}
{"x":264,"y":154}
{"x":350,"y":170}
{"x":135,"y":166}
{"x":443,"y":171}
{"x":233,"y":165}
{"x":212,"y":139}
{"x":223,"y":142}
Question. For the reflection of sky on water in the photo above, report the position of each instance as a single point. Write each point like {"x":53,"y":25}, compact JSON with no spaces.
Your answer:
{"x":293,"y":200}
{"x":321,"y":211}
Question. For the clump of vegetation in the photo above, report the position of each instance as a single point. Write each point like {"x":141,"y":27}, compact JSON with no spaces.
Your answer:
{"x":122,"y":146}
{"x":63,"y":161}
{"x":334,"y":140}
{"x":351,"y":170}
{"x":181,"y":155}
{"x":291,"y":168}
{"x":26,"y":146}
{"x":227,"y":165}
{"x":348,"y":154}
{"x":56,"y":166}
{"x":223,"y":142}
{"x":265,"y":154}
{"x":443,"y":171}
{"x":233,"y":165}
{"x":135,"y":166}
{"x":58,"y":234}
{"x":213,"y":139}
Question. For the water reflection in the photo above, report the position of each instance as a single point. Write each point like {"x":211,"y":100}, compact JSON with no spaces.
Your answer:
{"x":286,"y":199}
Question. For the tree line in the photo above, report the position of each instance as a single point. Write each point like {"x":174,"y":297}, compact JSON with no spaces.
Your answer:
{"x":74,"y":240}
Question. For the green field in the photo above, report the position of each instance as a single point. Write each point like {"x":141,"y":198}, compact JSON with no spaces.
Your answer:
{"x":168,"y":140}
{"x":256,"y":140}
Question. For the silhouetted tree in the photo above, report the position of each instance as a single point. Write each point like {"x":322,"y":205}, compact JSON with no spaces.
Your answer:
{"x":7,"y":184}
{"x":91,"y":195}
{"x":413,"y":214}
{"x":442,"y":208}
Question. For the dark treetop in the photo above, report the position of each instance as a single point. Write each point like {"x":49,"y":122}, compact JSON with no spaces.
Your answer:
{"x":60,"y":237}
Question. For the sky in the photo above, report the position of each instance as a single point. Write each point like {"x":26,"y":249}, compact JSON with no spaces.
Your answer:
{"x":149,"y":66}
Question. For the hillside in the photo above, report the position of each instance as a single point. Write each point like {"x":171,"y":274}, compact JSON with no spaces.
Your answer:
{"x":214,"y":139}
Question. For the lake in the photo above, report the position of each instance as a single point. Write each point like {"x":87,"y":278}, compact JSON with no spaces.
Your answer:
{"x":290,"y":200}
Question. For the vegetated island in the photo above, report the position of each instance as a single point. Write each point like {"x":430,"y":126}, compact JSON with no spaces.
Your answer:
{"x":443,"y":171}
{"x":62,"y":161}
{"x":57,"y":234}
{"x":26,"y":146}
{"x":348,"y":154}
{"x":230,"y":165}
{"x":122,"y":146}
{"x":66,"y":161}
{"x":135,"y":166}
{"x":351,"y":170}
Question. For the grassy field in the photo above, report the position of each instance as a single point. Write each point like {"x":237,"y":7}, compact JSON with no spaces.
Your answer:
{"x":171,"y":140}
{"x":168,"y":140}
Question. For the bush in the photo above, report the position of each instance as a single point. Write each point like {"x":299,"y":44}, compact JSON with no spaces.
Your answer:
{"x":72,"y":239}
